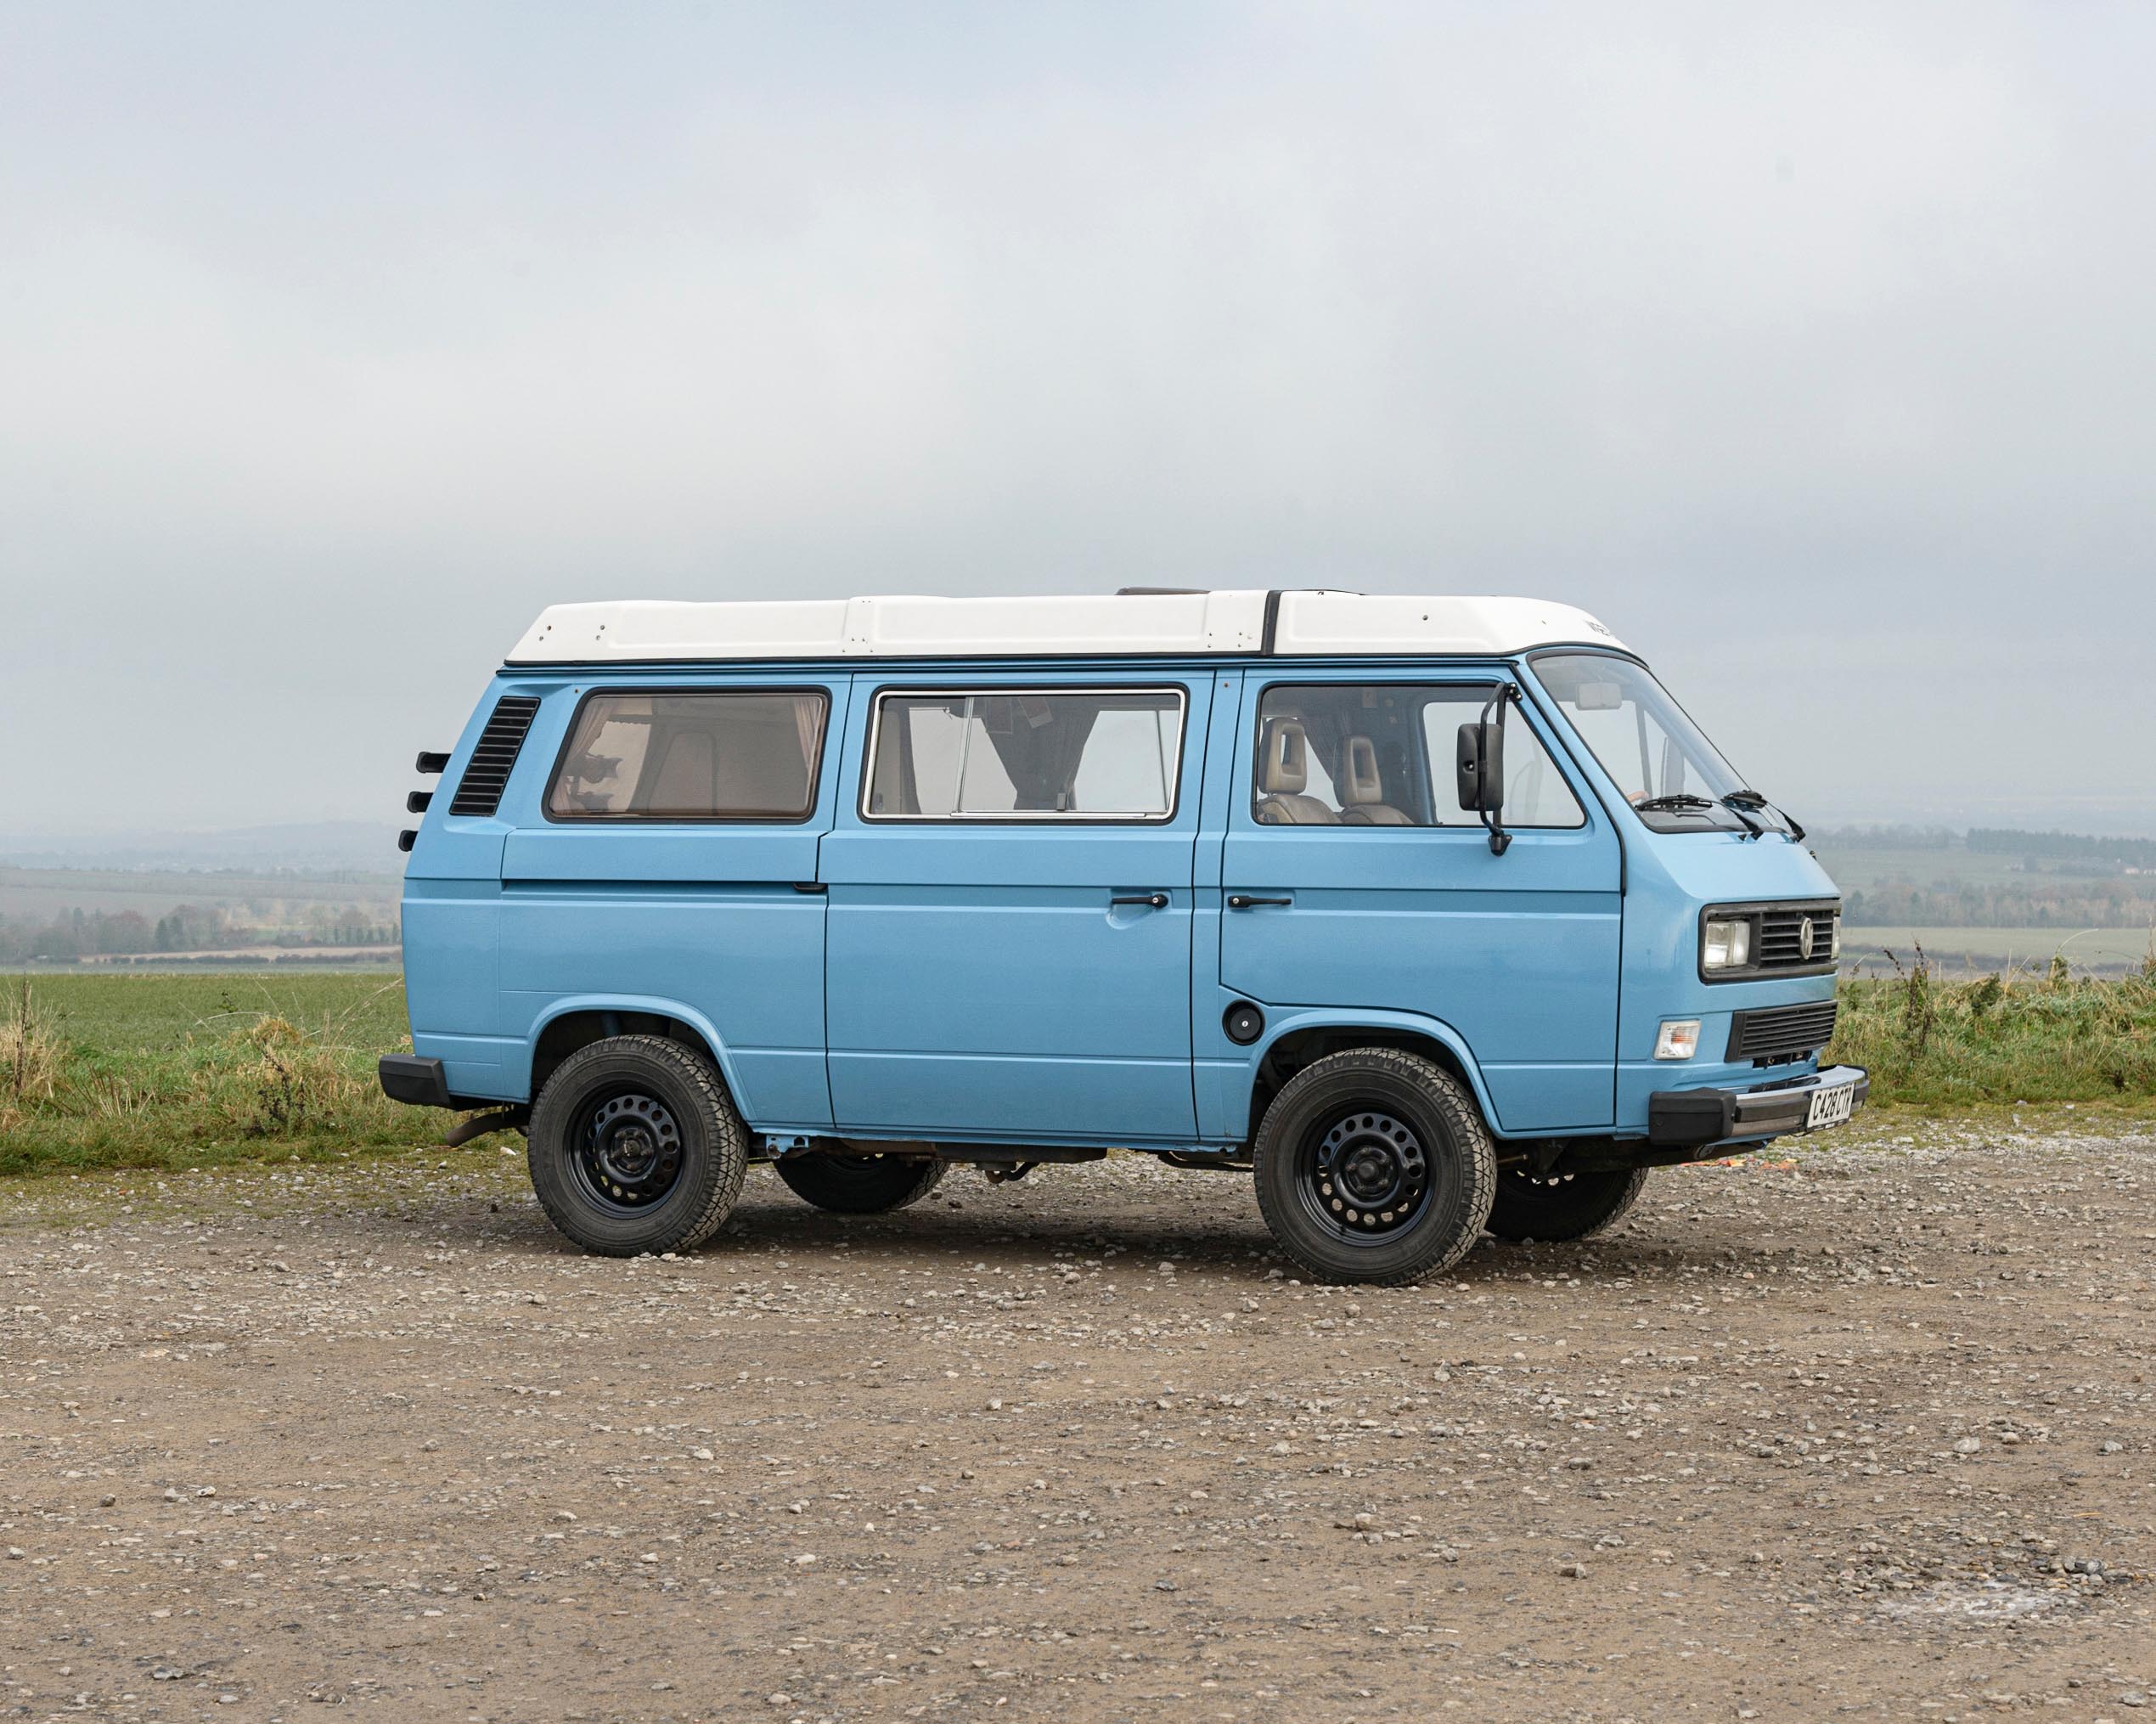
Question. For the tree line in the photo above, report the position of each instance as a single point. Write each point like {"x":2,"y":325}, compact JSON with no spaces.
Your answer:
{"x":2064,"y":846}
{"x":87,"y":934}
{"x":2036,"y":848}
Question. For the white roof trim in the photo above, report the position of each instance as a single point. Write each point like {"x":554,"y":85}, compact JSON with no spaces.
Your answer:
{"x":1351,"y":624}
{"x":1308,"y":624}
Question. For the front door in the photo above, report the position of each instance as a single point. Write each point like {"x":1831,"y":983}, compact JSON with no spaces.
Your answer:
{"x":1009,"y":911}
{"x":1351,"y":879}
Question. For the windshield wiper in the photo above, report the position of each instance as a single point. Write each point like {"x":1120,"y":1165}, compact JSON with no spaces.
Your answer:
{"x":1745,"y":804}
{"x":1672,"y":803}
{"x":1737,"y":801}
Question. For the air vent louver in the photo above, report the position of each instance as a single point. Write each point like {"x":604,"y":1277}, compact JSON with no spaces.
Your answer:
{"x":1779,"y":1033}
{"x":479,"y":790}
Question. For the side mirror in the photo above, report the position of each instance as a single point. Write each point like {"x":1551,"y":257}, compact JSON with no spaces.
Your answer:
{"x":1481,"y":767}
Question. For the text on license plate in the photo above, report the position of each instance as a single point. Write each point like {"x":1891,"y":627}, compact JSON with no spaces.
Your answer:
{"x":1830,"y":1106}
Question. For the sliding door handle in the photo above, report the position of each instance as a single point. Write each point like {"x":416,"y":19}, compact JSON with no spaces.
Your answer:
{"x":1238,"y":900}
{"x":1156,"y":900}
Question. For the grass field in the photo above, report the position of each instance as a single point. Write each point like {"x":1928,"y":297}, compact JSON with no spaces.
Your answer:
{"x":1855,"y":869}
{"x":159,"y":1013}
{"x":1992,"y":949}
{"x":163,"y":1071}
{"x":160,"y":1071}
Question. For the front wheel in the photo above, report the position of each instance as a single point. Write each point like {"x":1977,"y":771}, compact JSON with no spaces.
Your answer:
{"x":1374,"y":1165}
{"x":870,"y":1184}
{"x":1556,"y":1207}
{"x":635,"y":1147}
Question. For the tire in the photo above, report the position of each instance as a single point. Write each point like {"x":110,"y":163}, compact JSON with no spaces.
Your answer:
{"x":1374,"y":1166}
{"x":635,"y":1147}
{"x":1561,"y":1206}
{"x":870,"y":1184}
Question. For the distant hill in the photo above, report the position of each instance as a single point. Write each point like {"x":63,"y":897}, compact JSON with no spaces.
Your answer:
{"x":328,"y":847}
{"x":2066,"y":847}
{"x":1933,"y":879}
{"x":2034,"y":851}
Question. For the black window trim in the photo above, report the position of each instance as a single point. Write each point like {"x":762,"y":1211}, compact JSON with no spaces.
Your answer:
{"x":1559,"y":756}
{"x":1020,"y":817}
{"x":632,"y":818}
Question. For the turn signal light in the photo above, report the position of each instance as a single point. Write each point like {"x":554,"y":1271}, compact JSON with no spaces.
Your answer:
{"x":1678,"y":1038}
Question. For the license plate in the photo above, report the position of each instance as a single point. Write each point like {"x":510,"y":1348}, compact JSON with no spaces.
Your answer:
{"x":1830,"y":1106}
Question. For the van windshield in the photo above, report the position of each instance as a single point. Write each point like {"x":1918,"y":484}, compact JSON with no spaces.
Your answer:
{"x":1673,"y":776}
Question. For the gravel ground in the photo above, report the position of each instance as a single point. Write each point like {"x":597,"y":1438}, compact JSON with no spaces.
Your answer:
{"x":1866,"y":1433}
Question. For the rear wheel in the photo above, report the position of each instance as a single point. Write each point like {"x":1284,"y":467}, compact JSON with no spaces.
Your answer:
{"x":1373,"y":1165}
{"x":635,"y":1148}
{"x":868,"y":1184}
{"x":1555,"y":1207}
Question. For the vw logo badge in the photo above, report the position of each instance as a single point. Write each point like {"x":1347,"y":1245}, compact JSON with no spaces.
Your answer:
{"x":1804,"y":939}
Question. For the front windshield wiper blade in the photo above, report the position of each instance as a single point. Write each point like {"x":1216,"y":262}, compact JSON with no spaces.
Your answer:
{"x":1745,"y":804}
{"x":1681,"y":800}
{"x":1737,"y":801}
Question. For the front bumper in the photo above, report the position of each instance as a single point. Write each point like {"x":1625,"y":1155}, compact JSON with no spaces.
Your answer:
{"x":1688,"y":1119}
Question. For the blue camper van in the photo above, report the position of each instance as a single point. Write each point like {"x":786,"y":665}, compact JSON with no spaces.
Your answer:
{"x":1437,"y":916}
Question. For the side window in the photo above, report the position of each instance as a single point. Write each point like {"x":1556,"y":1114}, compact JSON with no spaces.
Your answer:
{"x":1024,"y":754}
{"x":1535,"y":791}
{"x":701,"y":755}
{"x":1381,"y":754}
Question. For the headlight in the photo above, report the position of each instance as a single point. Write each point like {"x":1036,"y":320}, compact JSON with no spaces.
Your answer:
{"x":1834,"y":940}
{"x":1678,"y":1038}
{"x":1726,"y":946}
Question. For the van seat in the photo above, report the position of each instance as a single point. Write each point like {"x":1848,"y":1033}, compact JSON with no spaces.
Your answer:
{"x":1282,"y":775}
{"x":1362,"y":789}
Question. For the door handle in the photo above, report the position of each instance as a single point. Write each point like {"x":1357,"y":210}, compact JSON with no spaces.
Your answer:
{"x":1238,"y":900}
{"x":1157,"y":900}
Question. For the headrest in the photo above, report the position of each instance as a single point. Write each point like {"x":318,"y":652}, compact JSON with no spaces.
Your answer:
{"x":1286,"y":766}
{"x":1359,"y":779}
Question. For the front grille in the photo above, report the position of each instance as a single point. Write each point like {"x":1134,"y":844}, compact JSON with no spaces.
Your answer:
{"x":1781,"y":938}
{"x":479,"y":790}
{"x":1781,"y":1033}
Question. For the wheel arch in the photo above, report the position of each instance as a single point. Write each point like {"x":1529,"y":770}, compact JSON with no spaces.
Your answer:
{"x":577,"y":1021}
{"x":1295,"y":1040}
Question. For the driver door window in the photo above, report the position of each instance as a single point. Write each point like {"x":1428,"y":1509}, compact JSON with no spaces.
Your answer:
{"x":1381,"y":754}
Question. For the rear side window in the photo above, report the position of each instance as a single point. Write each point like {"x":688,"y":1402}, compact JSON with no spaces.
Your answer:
{"x":1381,"y":754}
{"x":697,"y":755}
{"x":1026,"y":754}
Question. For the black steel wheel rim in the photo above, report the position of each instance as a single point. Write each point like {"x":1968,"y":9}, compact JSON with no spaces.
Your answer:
{"x":626,"y":1151}
{"x":1364,"y":1176}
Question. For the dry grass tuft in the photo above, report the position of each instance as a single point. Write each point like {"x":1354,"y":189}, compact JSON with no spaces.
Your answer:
{"x":29,"y":1056}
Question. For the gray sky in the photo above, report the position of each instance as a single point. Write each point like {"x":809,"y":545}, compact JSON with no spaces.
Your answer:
{"x":1812,"y":347}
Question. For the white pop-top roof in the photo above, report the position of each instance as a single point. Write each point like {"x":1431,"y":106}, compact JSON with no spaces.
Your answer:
{"x":1305,"y":624}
